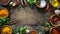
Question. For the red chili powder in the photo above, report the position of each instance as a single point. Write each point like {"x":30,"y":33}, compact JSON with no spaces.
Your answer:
{"x":33,"y":32}
{"x":55,"y":31}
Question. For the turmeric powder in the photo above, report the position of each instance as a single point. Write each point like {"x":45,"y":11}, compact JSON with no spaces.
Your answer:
{"x":3,"y":12}
{"x":7,"y":30}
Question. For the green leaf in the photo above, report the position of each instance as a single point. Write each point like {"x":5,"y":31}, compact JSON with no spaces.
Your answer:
{"x":5,"y":21}
{"x":22,"y":30}
{"x":31,"y":3}
{"x":47,"y":24}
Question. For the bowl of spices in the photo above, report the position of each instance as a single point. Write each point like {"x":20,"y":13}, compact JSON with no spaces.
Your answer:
{"x":4,"y":2}
{"x":55,"y":20}
{"x":54,"y":3}
{"x":6,"y":29}
{"x":42,"y":4}
{"x":54,"y":30}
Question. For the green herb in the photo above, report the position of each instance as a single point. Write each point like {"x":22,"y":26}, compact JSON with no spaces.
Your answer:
{"x":31,"y":2}
{"x":22,"y":30}
{"x":47,"y":24}
{"x":5,"y":21}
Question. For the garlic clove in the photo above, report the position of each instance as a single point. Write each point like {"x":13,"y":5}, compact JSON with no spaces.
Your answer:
{"x":14,"y":4}
{"x":11,"y":3}
{"x":27,"y":31}
{"x":57,"y":12}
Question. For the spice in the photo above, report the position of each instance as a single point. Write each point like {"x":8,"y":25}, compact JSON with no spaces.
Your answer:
{"x":33,"y":32}
{"x":54,"y":3}
{"x":55,"y":31}
{"x":6,"y":29}
{"x":3,"y":12}
{"x":54,"y":20}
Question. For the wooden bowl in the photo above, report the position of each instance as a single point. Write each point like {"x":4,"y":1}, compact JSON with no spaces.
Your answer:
{"x":54,"y":19}
{"x":54,"y":3}
{"x":6,"y":29}
{"x":43,"y":4}
{"x":54,"y":30}
{"x":4,"y":2}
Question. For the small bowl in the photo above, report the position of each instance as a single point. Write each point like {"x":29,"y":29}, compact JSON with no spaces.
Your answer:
{"x":10,"y":31}
{"x":4,"y":2}
{"x":54,"y":3}
{"x":43,"y":4}
{"x":54,"y":19}
{"x":56,"y":30}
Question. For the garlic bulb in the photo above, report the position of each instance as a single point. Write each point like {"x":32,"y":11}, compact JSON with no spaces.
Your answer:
{"x":57,"y":12}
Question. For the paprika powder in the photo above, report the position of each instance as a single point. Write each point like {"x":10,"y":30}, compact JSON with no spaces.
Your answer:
{"x":55,"y":31}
